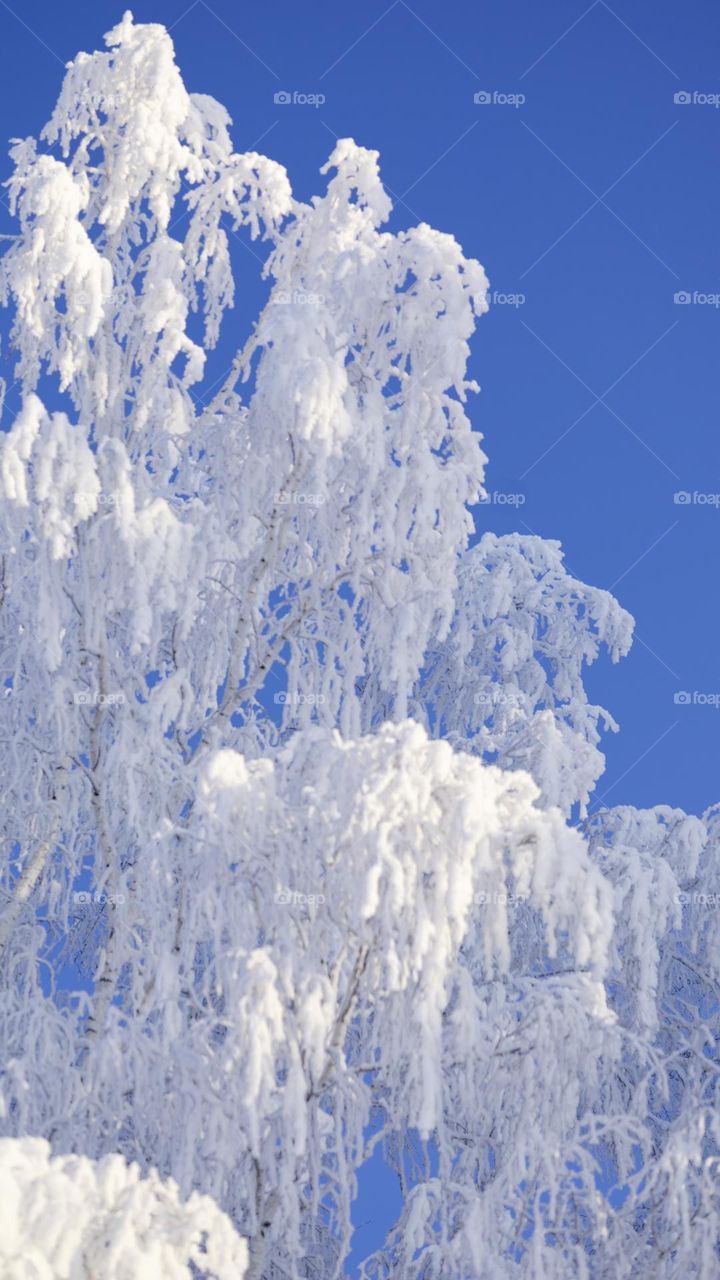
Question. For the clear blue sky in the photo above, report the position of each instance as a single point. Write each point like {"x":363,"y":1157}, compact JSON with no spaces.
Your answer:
{"x":597,"y":199}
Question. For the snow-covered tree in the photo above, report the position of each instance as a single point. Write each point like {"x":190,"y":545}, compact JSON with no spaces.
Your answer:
{"x":523,"y":630}
{"x":68,"y":1216}
{"x":288,"y":768}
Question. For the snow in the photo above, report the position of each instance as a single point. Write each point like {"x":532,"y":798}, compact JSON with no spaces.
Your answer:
{"x":66,"y":1216}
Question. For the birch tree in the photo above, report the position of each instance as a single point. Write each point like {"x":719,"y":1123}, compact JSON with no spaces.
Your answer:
{"x":288,"y":768}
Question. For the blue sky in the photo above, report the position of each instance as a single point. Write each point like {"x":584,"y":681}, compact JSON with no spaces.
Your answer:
{"x":596,"y":199}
